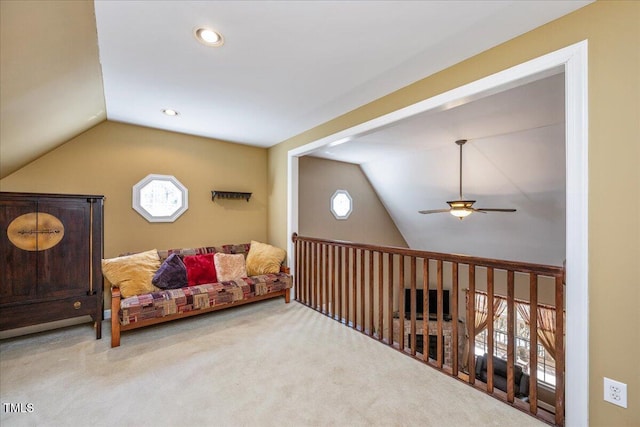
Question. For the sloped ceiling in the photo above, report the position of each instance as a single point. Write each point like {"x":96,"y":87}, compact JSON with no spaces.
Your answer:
{"x":286,"y":66}
{"x":50,"y":77}
{"x":514,"y":158}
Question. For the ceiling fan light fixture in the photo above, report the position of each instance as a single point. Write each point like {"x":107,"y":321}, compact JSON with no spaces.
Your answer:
{"x":208,"y":37}
{"x":460,"y":212}
{"x":461,"y":208}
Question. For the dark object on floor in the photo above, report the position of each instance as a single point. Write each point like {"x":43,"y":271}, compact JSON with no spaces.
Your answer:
{"x":521,"y":387}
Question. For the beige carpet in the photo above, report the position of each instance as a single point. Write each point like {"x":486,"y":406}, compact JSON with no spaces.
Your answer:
{"x":265,"y":364}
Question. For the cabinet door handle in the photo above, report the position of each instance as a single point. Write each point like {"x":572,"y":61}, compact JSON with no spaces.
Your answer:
{"x":77,"y":305}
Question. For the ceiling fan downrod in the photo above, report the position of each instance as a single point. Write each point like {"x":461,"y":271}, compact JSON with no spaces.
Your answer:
{"x":460,"y":143}
{"x":461,"y":208}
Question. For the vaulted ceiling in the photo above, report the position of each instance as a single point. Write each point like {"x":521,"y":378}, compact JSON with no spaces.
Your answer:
{"x":514,"y":158}
{"x":284,"y":68}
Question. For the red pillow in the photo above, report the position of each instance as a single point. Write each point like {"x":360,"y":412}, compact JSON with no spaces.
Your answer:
{"x":200,"y":269}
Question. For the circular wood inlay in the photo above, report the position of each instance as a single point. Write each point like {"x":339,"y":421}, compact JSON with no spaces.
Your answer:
{"x":35,"y":231}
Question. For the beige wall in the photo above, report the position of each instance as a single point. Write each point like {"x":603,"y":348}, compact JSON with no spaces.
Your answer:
{"x":111,"y":157}
{"x":368,"y":223}
{"x":613,"y":32}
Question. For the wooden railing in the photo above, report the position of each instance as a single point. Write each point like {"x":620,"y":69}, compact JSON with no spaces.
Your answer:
{"x":363,"y":286}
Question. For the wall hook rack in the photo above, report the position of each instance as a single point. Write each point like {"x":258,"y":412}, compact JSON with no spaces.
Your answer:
{"x":229,"y":195}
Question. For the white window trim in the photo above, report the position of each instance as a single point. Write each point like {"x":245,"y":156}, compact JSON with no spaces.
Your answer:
{"x":332,"y":206}
{"x":137,"y":206}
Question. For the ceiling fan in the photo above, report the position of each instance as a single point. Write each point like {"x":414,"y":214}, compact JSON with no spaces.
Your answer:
{"x":461,"y":208}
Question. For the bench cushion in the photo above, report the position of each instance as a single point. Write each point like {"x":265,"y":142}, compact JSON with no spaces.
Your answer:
{"x":171,"y":301}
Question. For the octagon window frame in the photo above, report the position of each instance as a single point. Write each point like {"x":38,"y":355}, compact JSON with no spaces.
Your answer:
{"x":178,"y":194}
{"x":341,"y":196}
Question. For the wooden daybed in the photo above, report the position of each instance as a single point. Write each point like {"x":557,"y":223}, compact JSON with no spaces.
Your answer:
{"x":161,"y":306}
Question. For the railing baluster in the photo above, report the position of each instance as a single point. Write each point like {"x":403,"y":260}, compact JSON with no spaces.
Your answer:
{"x":454,"y":315}
{"x":511,"y":336}
{"x":321,"y":278}
{"x":471,"y":309}
{"x":425,"y":309}
{"x":490,"y":343}
{"x":413,"y":308}
{"x":305,"y":267}
{"x":533,"y":344}
{"x":319,"y":284}
{"x":371,"y":324}
{"x":380,"y":295}
{"x":401,"y":313}
{"x":332,"y":279}
{"x":300,"y":270}
{"x":325,"y":278}
{"x":390,"y":297}
{"x":314,"y":281}
{"x":354,"y":288}
{"x":340,"y":282}
{"x":347,"y":283}
{"x":362,"y":294}
{"x":327,"y":281}
{"x":297,"y":266}
{"x":309,"y":271}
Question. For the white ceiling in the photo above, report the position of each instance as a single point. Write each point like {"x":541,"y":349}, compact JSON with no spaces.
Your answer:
{"x":514,"y":158}
{"x":287,"y":66}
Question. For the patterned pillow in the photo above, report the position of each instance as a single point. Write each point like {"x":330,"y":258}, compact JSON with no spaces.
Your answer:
{"x":230,"y":267}
{"x":172,"y":274}
{"x":200,"y":269}
{"x":132,"y":273}
{"x":264,"y":259}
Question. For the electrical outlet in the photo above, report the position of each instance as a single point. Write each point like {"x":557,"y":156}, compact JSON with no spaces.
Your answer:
{"x":615,"y":392}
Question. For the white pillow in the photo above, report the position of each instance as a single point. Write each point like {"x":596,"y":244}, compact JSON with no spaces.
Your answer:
{"x":229,"y":266}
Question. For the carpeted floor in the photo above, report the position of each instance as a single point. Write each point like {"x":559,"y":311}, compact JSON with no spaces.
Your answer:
{"x":264,"y":364}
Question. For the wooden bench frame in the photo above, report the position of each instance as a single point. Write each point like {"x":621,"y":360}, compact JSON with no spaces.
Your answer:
{"x":117,"y":327}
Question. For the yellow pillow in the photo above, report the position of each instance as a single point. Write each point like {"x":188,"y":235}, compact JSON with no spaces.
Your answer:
{"x":132,"y":273}
{"x":264,"y":259}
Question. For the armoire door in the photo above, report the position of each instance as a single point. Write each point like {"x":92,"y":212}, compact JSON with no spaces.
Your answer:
{"x":18,"y":267}
{"x":64,"y":269}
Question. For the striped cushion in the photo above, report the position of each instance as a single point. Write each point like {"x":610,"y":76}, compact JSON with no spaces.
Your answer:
{"x":172,"y":301}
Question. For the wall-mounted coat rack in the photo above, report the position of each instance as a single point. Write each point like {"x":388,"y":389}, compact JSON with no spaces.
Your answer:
{"x":229,"y":195}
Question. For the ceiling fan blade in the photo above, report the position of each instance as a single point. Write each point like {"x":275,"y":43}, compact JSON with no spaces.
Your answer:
{"x":462,"y":208}
{"x":434,"y":211}
{"x":494,"y":210}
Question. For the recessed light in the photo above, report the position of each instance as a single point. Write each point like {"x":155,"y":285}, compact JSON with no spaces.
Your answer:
{"x":208,"y":37}
{"x":170,"y":112}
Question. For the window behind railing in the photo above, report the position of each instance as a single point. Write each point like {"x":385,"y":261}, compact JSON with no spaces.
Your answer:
{"x":546,"y":364}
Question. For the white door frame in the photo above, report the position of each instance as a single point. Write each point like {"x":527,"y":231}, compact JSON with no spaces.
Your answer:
{"x":573,"y":61}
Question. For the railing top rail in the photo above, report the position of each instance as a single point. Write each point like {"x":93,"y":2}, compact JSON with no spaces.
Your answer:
{"x":524,"y":267}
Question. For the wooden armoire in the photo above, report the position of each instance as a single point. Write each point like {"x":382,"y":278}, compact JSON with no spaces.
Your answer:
{"x":51,"y":246}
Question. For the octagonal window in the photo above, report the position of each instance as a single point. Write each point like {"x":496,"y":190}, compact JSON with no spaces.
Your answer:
{"x":341,"y":204}
{"x":160,"y":198}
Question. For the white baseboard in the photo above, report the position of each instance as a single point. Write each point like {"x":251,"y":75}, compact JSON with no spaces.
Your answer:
{"x":107,"y":315}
